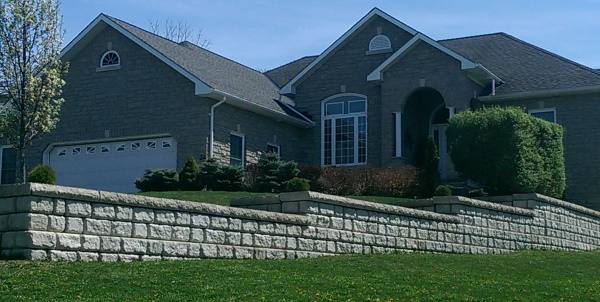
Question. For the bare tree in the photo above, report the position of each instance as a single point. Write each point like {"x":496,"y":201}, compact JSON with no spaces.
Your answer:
{"x":180,"y":32}
{"x":30,"y":72}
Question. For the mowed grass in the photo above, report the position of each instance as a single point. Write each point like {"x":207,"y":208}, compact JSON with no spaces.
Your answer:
{"x":223,"y":198}
{"x":522,"y":276}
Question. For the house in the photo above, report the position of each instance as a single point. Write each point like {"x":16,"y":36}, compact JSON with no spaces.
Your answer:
{"x":136,"y":100}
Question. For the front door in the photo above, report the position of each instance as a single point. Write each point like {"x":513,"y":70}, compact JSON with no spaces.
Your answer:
{"x":445,"y":167}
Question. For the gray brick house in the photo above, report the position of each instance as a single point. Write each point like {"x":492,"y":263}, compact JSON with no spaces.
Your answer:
{"x":136,"y":100}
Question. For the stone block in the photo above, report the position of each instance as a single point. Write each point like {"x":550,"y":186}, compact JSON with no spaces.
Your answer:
{"x":197,"y":235}
{"x":8,"y":240}
{"x":309,"y":232}
{"x":90,"y":243}
{"x":213,"y":236}
{"x":326,"y":209}
{"x":34,"y":204}
{"x":106,"y":257}
{"x":247,"y":239}
{"x":56,"y":223}
{"x":8,"y":205}
{"x":124,"y":213}
{"x":346,"y":236}
{"x":140,"y":230}
{"x":134,"y":246}
{"x":103,"y":211}
{"x":218,"y":223}
{"x":151,"y":258}
{"x":121,"y":228}
{"x":279,"y":228}
{"x":243,"y":252}
{"x":63,"y":256}
{"x":320,"y":246}
{"x":194,"y":250}
{"x":294,"y":230}
{"x":308,"y":207}
{"x":60,"y":207}
{"x":279,"y":242}
{"x":322,"y":221}
{"x":235,"y":224}
{"x":182,"y":218}
{"x":262,"y":240}
{"x":160,"y":231}
{"x":225,"y":251}
{"x":336,"y":223}
{"x":266,"y":227}
{"x":305,"y":244}
{"x":110,"y":244}
{"x":34,"y":255}
{"x":164,"y":217}
{"x":290,"y":207}
{"x":97,"y":227}
{"x":173,"y":248}
{"x":78,"y":208}
{"x":233,"y":238}
{"x":34,"y":239}
{"x":180,"y":233}
{"x":199,"y":220}
{"x":275,"y":254}
{"x":27,"y":221}
{"x":4,"y":223}
{"x":209,"y":251}
{"x":128,"y":258}
{"x":74,"y":225}
{"x":322,"y":233}
{"x":155,"y":247}
{"x":68,"y":241}
{"x":333,"y":235}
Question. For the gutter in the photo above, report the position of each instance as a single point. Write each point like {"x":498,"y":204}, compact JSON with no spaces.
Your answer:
{"x":540,"y":93}
{"x":212,"y":126}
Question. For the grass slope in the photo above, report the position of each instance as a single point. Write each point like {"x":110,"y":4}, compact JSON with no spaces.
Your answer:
{"x":223,"y":198}
{"x":523,"y":276}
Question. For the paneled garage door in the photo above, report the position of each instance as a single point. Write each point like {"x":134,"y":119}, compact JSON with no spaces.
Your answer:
{"x":111,"y":166}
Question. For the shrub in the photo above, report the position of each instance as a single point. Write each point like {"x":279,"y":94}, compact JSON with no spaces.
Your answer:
{"x":297,"y":184}
{"x":218,"y":177}
{"x":187,"y":176}
{"x":42,"y":174}
{"x":443,"y":191}
{"x":158,"y":180}
{"x":508,"y":151}
{"x":273,"y":174}
{"x":430,"y":175}
{"x":367,"y":180}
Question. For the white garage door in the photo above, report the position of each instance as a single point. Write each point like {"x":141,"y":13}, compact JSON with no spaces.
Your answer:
{"x":111,"y":166}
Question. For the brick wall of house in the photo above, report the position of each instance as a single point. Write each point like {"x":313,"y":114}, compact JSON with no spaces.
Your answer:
{"x":349,"y":66}
{"x":580,"y":117}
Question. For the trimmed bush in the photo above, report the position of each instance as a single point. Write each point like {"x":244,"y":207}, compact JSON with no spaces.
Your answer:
{"x":42,"y":174}
{"x":218,"y":177}
{"x":442,"y":191}
{"x":187,"y":176}
{"x":158,"y":181}
{"x":206,"y":177}
{"x":297,"y":184}
{"x":508,"y":151}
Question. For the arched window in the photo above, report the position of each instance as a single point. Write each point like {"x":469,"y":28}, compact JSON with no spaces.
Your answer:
{"x":110,"y":58}
{"x":380,"y":42}
{"x":344,"y":130}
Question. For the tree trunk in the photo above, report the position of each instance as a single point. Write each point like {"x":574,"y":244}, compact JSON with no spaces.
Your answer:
{"x":20,"y":172}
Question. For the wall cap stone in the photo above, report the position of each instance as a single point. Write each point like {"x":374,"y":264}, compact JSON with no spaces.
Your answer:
{"x":556,"y":202}
{"x":360,"y":204}
{"x":255,"y":200}
{"x":437,"y":200}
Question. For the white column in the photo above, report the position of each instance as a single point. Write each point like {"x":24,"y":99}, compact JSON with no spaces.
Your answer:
{"x":398,"y":138}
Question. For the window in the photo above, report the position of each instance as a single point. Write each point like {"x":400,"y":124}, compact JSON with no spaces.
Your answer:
{"x":167,"y":143}
{"x":545,"y":114}
{"x":8,"y":165}
{"x":90,"y":150}
{"x":237,"y":149}
{"x":151,"y":145}
{"x":76,"y":151}
{"x":62,"y":152}
{"x":105,"y":149}
{"x":344,"y":130}
{"x":120,"y":147}
{"x":272,"y":148}
{"x":110,"y":58}
{"x":379,"y":44}
{"x":135,"y":146}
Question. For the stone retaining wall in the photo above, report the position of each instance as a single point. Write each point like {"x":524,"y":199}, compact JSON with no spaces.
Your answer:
{"x":60,"y":223}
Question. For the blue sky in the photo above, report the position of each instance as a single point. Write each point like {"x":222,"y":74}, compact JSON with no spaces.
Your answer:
{"x":264,"y":34}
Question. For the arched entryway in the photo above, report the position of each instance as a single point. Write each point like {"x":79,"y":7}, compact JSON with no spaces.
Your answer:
{"x":425,"y":113}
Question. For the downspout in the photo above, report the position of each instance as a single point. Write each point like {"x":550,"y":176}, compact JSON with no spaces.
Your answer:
{"x":212,"y":125}
{"x":493,"y":86}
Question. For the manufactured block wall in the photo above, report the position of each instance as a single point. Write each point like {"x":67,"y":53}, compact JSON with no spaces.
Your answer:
{"x":61,"y":223}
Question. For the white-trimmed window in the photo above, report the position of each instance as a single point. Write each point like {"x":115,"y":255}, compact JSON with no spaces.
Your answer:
{"x":237,"y":149}
{"x":151,"y":145}
{"x":76,"y":151}
{"x":105,"y":149}
{"x":380,"y":42}
{"x":548,"y":114}
{"x":344,"y":130}
{"x":8,"y":165}
{"x":62,"y":153}
{"x":136,"y":146}
{"x":90,"y":150}
{"x":110,"y":58}
{"x":272,"y":148}
{"x":167,"y":143}
{"x":120,"y":148}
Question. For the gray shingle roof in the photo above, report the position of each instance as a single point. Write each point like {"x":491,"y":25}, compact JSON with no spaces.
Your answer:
{"x":216,"y":71}
{"x":523,"y":66}
{"x":284,"y":73}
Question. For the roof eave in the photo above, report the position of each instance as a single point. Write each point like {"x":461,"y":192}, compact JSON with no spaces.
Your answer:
{"x":540,"y":93}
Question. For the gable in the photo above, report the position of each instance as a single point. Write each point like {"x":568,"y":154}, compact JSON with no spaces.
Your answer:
{"x":374,"y":14}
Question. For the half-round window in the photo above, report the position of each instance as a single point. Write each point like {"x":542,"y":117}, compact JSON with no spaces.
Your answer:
{"x":110,"y":58}
{"x":344,"y":130}
{"x":380,"y":42}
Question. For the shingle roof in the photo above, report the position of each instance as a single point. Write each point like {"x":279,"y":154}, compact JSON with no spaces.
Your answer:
{"x":218,"y":72}
{"x":284,"y":73}
{"x":523,"y":66}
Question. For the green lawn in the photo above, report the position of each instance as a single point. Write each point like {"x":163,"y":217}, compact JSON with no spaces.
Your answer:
{"x":223,"y":198}
{"x":523,"y":276}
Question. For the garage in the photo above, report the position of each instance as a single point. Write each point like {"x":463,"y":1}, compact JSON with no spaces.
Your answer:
{"x":111,"y":165}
